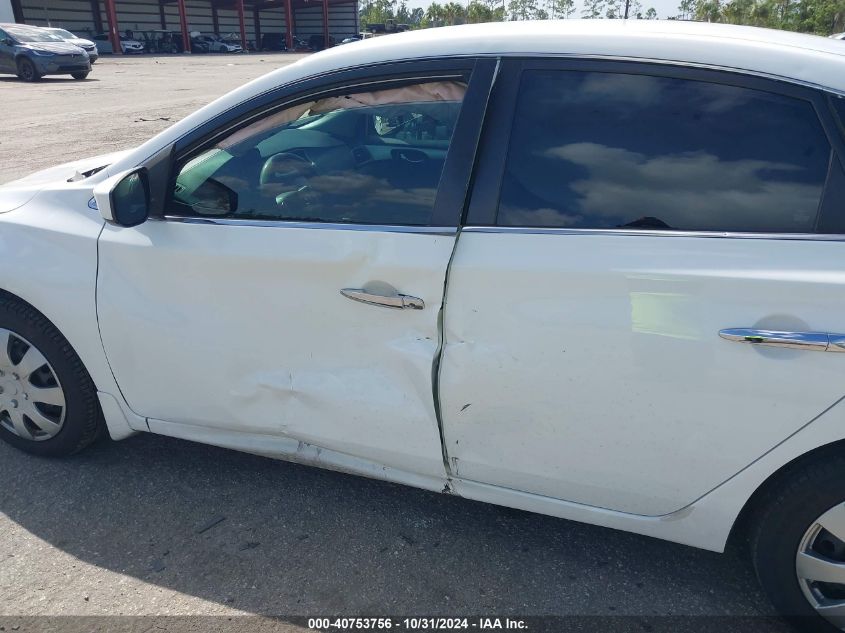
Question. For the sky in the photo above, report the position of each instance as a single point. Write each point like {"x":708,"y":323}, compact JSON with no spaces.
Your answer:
{"x":664,"y":8}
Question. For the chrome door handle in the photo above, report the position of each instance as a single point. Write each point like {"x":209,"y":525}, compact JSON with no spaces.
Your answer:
{"x":396,"y":301}
{"x":810,"y":341}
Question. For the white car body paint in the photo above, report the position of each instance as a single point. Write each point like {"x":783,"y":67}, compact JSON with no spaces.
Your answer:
{"x":51,"y":246}
{"x":594,"y":371}
{"x":156,"y":290}
{"x":244,"y":328}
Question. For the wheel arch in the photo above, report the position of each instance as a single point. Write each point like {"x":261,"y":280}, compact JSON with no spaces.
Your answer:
{"x":769,"y":486}
{"x":117,"y":421}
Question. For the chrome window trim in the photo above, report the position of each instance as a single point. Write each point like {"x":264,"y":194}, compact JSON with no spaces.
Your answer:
{"x":326,"y":226}
{"x":811,"y":237}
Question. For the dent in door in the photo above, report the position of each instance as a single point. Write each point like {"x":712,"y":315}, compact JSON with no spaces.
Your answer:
{"x":244,"y":328}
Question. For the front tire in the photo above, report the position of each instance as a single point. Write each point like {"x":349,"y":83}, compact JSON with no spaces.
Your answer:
{"x":48,"y":402}
{"x":27,"y":70}
{"x":81,"y":75}
{"x":798,"y":544}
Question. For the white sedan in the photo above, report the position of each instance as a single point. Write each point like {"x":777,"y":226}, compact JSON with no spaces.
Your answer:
{"x":590,"y":269}
{"x":217,"y":44}
{"x":127,"y":45}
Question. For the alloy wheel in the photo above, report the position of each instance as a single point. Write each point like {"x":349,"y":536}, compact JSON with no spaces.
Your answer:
{"x":32,"y":401}
{"x":27,"y":71}
{"x":820,"y":565}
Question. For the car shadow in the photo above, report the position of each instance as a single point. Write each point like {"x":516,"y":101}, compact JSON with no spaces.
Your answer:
{"x":269,"y":537}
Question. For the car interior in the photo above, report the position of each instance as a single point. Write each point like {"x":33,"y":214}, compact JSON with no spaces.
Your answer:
{"x":372,"y":158}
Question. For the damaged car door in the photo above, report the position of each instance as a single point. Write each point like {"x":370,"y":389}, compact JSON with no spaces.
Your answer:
{"x":287,"y":301}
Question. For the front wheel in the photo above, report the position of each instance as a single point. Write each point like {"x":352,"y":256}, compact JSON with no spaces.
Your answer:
{"x":48,"y":402}
{"x":81,"y":75}
{"x":798,"y":545}
{"x":27,"y":70}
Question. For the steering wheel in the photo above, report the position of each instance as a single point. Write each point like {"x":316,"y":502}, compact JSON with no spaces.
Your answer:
{"x":287,"y":169}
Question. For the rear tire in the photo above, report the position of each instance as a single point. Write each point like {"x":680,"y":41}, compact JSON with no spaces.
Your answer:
{"x":80,"y":76}
{"x":797,"y":538}
{"x":48,"y":404}
{"x":27,"y":71}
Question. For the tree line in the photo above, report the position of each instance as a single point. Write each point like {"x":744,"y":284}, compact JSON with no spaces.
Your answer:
{"x":822,"y":17}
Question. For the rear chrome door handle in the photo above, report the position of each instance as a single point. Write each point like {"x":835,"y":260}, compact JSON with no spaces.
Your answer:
{"x":396,"y":301}
{"x":810,"y":341}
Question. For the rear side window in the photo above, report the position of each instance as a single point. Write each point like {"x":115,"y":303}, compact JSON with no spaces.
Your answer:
{"x":607,"y":150}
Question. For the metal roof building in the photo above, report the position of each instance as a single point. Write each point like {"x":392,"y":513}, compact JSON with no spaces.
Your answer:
{"x":249,"y":18}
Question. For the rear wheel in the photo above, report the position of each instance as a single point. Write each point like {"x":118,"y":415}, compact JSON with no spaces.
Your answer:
{"x":27,"y":71}
{"x":48,"y":402}
{"x":798,"y":545}
{"x":80,"y":75}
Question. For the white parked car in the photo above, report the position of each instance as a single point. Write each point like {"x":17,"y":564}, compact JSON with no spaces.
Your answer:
{"x":127,"y":45}
{"x":589,"y":269}
{"x":217,"y":44}
{"x":87,"y":45}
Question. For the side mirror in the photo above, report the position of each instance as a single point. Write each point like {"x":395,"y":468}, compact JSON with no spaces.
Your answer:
{"x":5,"y":41}
{"x":213,"y":198}
{"x":124,"y":199}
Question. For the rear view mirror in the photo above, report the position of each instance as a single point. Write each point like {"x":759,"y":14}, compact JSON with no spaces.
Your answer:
{"x":124,"y":199}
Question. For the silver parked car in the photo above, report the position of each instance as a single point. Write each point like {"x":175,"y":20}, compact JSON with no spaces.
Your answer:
{"x":87,"y":45}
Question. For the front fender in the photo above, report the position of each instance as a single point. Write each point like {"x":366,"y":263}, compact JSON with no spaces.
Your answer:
{"x":48,"y":247}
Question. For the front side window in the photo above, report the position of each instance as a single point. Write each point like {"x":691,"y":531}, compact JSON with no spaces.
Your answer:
{"x":611,"y":150}
{"x":369,"y":157}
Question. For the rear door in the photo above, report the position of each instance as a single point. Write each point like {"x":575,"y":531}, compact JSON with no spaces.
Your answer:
{"x":623,"y":215}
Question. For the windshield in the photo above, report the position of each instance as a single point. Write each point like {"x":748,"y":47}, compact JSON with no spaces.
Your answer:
{"x":32,"y":35}
{"x":64,"y":34}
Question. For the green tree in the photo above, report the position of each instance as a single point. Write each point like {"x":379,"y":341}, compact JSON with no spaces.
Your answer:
{"x":593,"y":9}
{"x":478,"y":12}
{"x":377,"y":12}
{"x":651,"y":14}
{"x":434,"y":15}
{"x":614,"y":9}
{"x":526,"y":10}
{"x":687,"y":9}
{"x":559,"y":9}
{"x":708,"y":11}
{"x":455,"y":13}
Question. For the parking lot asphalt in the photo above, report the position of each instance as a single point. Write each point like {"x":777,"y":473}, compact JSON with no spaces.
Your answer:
{"x":122,"y":103}
{"x":157,"y":526}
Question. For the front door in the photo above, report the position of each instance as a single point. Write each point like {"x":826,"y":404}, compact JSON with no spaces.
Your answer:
{"x":638,"y":211}
{"x":294,"y":287}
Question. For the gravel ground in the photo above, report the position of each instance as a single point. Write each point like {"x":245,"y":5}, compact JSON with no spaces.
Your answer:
{"x":154,"y":526}
{"x":122,"y":103}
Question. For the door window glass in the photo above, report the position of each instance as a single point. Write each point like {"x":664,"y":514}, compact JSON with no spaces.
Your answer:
{"x":607,"y":150}
{"x":369,"y":158}
{"x":839,"y":106}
